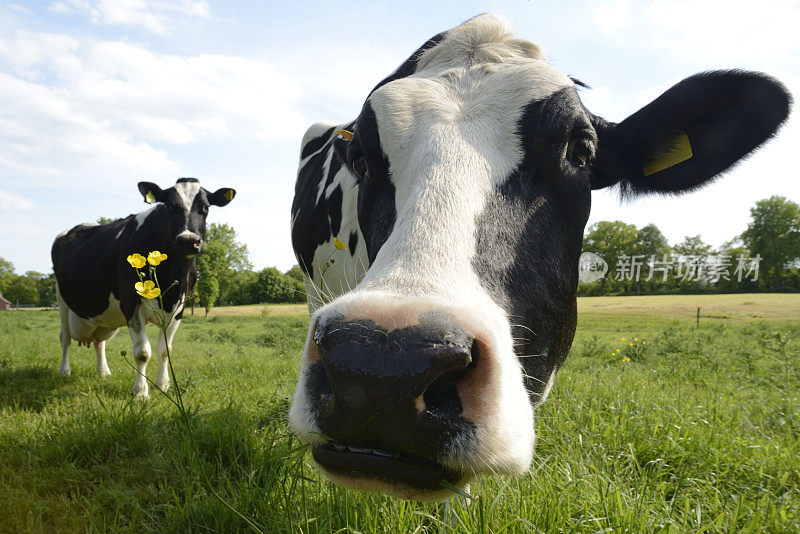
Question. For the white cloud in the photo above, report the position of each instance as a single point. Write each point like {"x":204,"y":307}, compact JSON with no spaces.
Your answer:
{"x":735,"y":32}
{"x":109,"y":108}
{"x":156,"y":16}
{"x":613,"y":16}
{"x":12,"y":201}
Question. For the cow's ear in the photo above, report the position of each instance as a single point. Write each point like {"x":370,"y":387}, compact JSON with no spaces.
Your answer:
{"x":221,"y":197}
{"x":151,"y":192}
{"x":693,"y":132}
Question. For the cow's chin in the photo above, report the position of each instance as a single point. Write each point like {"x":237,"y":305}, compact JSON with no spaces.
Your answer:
{"x":387,"y":472}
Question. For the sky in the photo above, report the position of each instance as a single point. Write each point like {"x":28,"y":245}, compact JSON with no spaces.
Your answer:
{"x":97,"y":95}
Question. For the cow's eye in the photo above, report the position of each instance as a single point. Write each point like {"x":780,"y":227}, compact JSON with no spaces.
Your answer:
{"x":580,"y":152}
{"x":360,"y":166}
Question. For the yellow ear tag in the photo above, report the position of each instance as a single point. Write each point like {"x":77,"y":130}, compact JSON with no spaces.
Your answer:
{"x":150,"y":198}
{"x":344,"y":133}
{"x":672,"y":152}
{"x":229,"y":194}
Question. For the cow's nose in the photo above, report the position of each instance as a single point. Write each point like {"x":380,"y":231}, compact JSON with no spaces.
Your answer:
{"x":371,"y":383}
{"x":188,"y":243}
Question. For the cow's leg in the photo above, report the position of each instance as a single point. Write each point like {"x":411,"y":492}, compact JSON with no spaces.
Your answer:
{"x":102,"y":365}
{"x":63,"y":314}
{"x":101,"y":336}
{"x":65,"y":343}
{"x":141,"y":351}
{"x":164,"y":342}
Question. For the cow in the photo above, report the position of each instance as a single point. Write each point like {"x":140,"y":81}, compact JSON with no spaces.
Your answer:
{"x":95,"y":282}
{"x":439,"y":234}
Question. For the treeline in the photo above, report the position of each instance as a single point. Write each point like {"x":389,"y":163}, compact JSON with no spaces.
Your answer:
{"x":226,"y":276}
{"x":765,"y":257}
{"x":29,"y":289}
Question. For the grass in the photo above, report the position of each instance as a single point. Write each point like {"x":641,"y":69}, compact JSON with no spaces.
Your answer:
{"x":700,"y":433}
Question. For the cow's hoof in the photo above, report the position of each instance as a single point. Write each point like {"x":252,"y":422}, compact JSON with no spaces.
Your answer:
{"x":142,"y":396}
{"x":104,"y":372}
{"x":163,"y":386}
{"x":65,"y":371}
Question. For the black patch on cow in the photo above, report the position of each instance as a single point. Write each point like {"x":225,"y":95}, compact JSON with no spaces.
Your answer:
{"x":84,"y":262}
{"x":376,"y":193}
{"x":335,"y":210}
{"x":310,"y":227}
{"x":529,"y":237}
{"x":352,"y":243}
{"x":333,"y":168}
{"x":316,"y":143}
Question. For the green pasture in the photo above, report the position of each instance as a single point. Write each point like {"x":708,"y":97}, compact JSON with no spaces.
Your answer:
{"x":698,"y":432}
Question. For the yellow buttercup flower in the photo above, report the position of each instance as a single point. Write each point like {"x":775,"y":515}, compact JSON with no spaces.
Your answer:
{"x":339,"y":244}
{"x":137,"y":261}
{"x":155,"y":257}
{"x":623,"y":339}
{"x":631,"y":344}
{"x":147,"y":289}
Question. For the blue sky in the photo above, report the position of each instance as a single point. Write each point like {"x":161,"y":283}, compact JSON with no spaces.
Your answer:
{"x":100,"y":94}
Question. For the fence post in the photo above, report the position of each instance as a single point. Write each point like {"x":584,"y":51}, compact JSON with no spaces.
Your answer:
{"x":698,"y":317}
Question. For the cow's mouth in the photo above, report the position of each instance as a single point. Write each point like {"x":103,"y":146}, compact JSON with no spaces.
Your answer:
{"x":384,"y":465}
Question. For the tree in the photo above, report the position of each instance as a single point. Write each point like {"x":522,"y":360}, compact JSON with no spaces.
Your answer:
{"x":295,"y":272}
{"x":105,"y":220}
{"x":6,"y":273}
{"x":45,"y":287}
{"x":273,"y":286}
{"x":774,"y":234}
{"x":693,"y":246}
{"x":47,"y":290}
{"x":22,"y":290}
{"x":735,"y":249}
{"x":651,"y":243}
{"x":243,"y":288}
{"x":222,"y":258}
{"x":610,"y":240}
{"x":208,"y":290}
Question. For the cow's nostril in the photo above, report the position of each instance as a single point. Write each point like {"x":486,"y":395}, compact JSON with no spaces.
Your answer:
{"x":441,"y":398}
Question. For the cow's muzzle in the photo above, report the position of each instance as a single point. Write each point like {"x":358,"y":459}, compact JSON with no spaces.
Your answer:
{"x":386,"y":401}
{"x":188,"y":244}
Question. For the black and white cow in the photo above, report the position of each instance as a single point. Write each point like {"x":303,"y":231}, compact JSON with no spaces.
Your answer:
{"x":463,"y":195}
{"x":95,"y":282}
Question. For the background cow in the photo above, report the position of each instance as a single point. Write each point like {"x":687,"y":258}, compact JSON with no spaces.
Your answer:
{"x":95,"y":283}
{"x":463,"y":195}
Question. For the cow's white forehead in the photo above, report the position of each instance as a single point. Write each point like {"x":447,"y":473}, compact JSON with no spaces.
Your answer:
{"x":187,"y":191}
{"x":473,"y":87}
